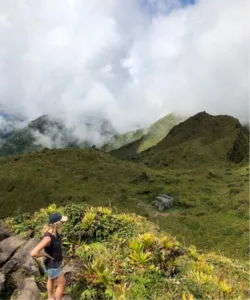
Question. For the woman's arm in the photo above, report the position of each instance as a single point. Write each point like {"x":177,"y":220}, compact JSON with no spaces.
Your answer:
{"x":36,"y":252}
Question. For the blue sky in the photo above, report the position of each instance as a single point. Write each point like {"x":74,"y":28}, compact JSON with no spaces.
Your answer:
{"x":4,"y":115}
{"x":167,"y":6}
{"x":188,"y":2}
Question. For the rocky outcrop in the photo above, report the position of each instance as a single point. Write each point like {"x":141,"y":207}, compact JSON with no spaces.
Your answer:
{"x":18,"y":269}
{"x":30,"y":291}
{"x":2,"y":280}
{"x":22,"y":260}
{"x":9,"y":246}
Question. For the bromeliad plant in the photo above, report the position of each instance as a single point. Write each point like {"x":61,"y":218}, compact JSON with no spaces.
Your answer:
{"x":123,"y":256}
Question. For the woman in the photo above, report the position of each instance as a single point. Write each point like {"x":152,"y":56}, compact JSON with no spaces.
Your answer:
{"x":52,"y":246}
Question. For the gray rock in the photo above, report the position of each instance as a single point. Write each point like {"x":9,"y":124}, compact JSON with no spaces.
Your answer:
{"x":30,"y":291}
{"x":163,"y":201}
{"x":2,"y":280}
{"x":23,"y":260}
{"x":9,"y":245}
{"x":70,"y":271}
{"x":68,"y":268}
{"x":18,"y":277}
{"x":66,"y":297}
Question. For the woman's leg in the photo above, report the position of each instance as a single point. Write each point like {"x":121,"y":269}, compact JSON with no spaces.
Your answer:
{"x":50,"y":288}
{"x":60,"y":282}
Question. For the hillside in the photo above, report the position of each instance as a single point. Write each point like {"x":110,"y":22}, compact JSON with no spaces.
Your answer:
{"x":124,"y":139}
{"x":71,"y":175}
{"x":40,"y":133}
{"x":9,"y":124}
{"x":132,"y":144}
{"x":48,"y":132}
{"x":210,"y":203}
{"x":201,"y":140}
{"x":108,"y":255}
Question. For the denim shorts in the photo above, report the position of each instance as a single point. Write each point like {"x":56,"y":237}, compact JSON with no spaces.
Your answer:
{"x":54,"y":273}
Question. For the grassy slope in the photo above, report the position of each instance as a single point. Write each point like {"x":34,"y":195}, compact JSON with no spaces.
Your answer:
{"x":71,"y":175}
{"x":199,"y":141}
{"x":156,"y":132}
{"x":124,"y":139}
{"x":211,"y":203}
{"x":215,"y":189}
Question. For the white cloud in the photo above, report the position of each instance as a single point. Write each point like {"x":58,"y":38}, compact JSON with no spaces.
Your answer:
{"x":113,"y":59}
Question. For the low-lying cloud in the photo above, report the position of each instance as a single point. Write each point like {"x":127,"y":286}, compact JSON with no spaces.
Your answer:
{"x":129,"y":61}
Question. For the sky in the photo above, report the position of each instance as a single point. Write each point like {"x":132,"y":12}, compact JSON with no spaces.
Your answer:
{"x":130,"y":61}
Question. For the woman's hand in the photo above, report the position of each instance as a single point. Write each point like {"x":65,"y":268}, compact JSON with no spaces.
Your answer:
{"x":36,"y":252}
{"x":48,"y":256}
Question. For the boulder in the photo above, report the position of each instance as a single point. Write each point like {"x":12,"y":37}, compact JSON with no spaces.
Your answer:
{"x":2,"y":280}
{"x":66,"y":297}
{"x":18,"y":277}
{"x":22,"y":260}
{"x":70,"y":271}
{"x":30,"y":291}
{"x":10,"y":245}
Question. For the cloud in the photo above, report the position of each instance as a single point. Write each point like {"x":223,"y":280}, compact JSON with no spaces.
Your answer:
{"x":129,"y":61}
{"x":8,"y":126}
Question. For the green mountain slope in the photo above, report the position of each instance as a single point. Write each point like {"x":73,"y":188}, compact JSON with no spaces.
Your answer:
{"x":140,"y":142}
{"x":210,"y":203}
{"x":124,"y":139}
{"x":201,"y":140}
{"x":48,"y":132}
{"x":123,"y":256}
{"x":9,"y":125}
{"x":40,"y":133}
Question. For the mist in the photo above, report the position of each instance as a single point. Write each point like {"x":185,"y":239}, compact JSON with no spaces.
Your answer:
{"x":130,"y":62}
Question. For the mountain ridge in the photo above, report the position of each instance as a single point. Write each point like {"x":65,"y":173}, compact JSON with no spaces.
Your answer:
{"x":202,"y":138}
{"x":50,"y":132}
{"x":154,"y":134}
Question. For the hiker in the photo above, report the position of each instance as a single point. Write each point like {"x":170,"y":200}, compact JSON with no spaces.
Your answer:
{"x":52,"y":246}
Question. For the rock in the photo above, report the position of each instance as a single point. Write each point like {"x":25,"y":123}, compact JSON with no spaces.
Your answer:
{"x":66,"y":297}
{"x":8,"y":246}
{"x":19,"y":278}
{"x":30,"y":291}
{"x":163,"y":201}
{"x":23,"y":260}
{"x":2,"y":280}
{"x":69,"y":272}
{"x":4,"y":232}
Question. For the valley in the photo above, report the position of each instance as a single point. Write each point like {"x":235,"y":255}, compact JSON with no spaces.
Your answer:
{"x":210,"y":207}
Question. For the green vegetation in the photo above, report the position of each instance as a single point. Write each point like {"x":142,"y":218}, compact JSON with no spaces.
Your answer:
{"x":210,"y":208}
{"x":140,"y":142}
{"x":48,"y":132}
{"x":202,"y":140}
{"x":124,"y":139}
{"x":202,"y":163}
{"x":124,"y":256}
{"x":72,"y":176}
